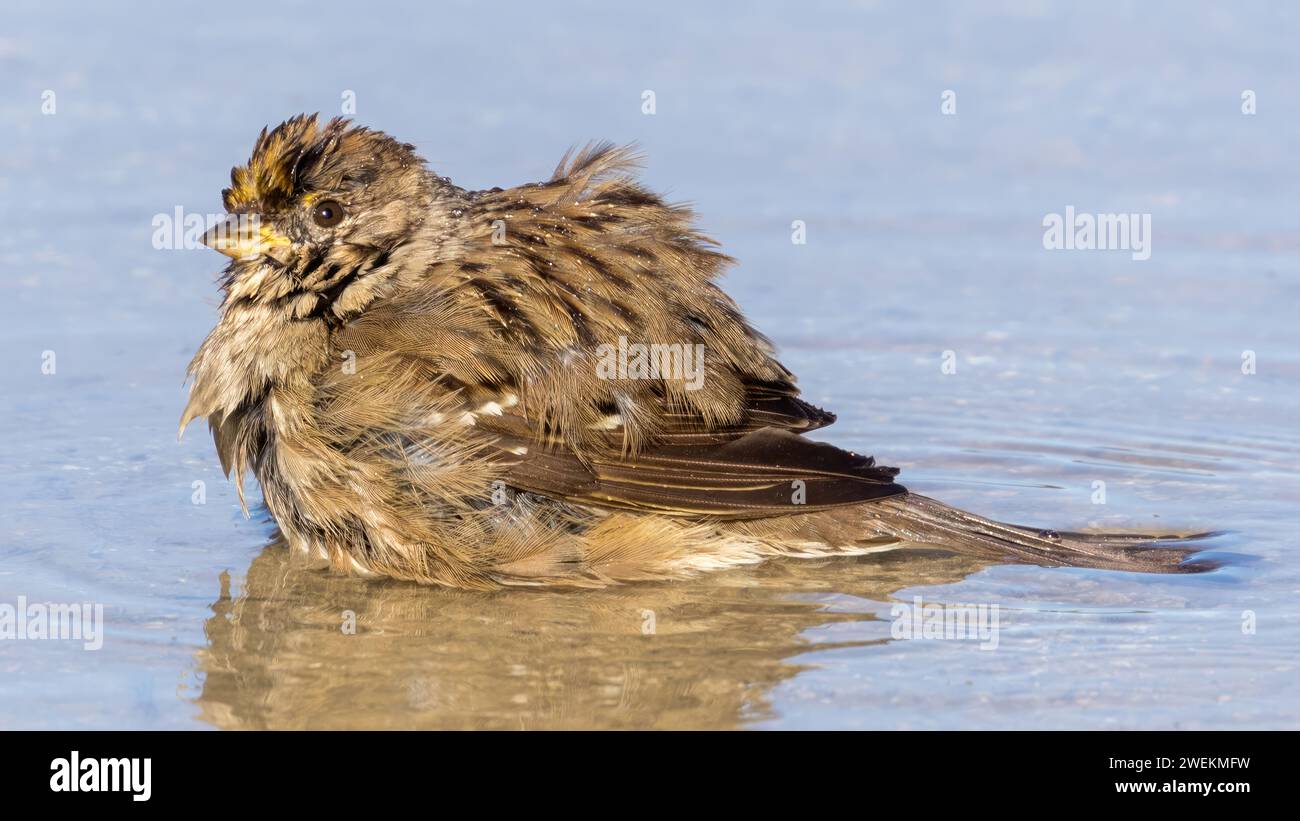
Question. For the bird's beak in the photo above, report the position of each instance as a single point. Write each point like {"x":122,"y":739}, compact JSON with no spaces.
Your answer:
{"x":243,"y":236}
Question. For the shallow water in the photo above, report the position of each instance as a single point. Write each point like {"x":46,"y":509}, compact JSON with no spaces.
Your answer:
{"x":924,"y":236}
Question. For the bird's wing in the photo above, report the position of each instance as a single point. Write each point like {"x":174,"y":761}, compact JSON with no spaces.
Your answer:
{"x":521,"y":319}
{"x":756,"y":466}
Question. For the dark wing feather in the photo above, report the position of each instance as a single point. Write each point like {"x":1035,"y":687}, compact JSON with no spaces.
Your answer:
{"x":733,"y":475}
{"x":768,"y":405}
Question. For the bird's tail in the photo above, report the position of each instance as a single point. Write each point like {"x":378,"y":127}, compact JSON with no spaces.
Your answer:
{"x":921,"y":520}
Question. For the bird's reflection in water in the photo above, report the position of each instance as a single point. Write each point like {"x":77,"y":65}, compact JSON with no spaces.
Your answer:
{"x":693,"y":654}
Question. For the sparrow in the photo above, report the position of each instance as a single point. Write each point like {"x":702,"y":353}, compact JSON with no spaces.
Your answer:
{"x":530,"y":386}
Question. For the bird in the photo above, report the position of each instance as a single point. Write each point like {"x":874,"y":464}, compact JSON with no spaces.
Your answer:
{"x":535,"y":386}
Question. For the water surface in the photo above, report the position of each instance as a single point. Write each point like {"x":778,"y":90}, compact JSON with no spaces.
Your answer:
{"x":923,"y":236}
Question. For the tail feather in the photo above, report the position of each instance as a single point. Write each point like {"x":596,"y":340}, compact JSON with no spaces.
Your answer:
{"x":922,"y":520}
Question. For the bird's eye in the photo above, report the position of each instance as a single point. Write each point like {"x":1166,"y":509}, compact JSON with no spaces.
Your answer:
{"x":327,"y":213}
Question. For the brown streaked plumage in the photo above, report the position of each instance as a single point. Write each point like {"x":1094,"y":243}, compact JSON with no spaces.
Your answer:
{"x":414,"y":374}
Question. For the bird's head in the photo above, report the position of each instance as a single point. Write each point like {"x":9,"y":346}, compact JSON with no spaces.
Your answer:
{"x":317,"y":201}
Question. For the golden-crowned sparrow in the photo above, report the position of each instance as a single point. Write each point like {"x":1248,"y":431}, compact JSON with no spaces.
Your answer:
{"x":535,"y":385}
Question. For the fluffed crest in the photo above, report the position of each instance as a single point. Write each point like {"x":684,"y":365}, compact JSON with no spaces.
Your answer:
{"x":285,"y":159}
